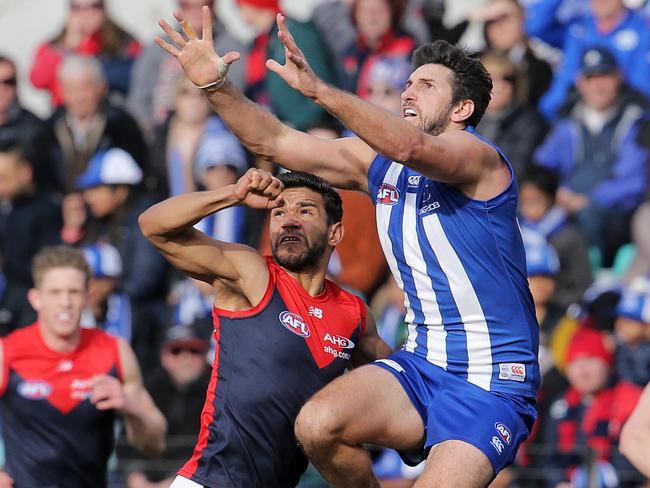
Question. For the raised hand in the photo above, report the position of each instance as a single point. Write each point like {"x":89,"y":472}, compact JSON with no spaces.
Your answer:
{"x":259,"y":189}
{"x":201,"y":63}
{"x":295,"y":71}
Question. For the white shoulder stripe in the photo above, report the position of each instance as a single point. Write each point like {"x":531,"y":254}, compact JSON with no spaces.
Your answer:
{"x":479,"y":348}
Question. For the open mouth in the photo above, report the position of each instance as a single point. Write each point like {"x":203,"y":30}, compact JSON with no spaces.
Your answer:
{"x":409,"y":112}
{"x":289,"y":239}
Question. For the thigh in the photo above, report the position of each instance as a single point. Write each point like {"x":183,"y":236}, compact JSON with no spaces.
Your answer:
{"x":370,"y":406}
{"x":456,"y":464}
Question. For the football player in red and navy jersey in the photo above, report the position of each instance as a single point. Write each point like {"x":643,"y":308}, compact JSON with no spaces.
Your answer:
{"x":61,"y":385}
{"x":283,"y":331}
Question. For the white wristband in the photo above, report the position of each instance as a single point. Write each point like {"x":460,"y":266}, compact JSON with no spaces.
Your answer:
{"x":222,"y":70}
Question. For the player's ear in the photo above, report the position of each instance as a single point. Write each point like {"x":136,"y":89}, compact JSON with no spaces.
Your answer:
{"x":462,"y":111}
{"x":335,"y":235}
{"x":34,"y":297}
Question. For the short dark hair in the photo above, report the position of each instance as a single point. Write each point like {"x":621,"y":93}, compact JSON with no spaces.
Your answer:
{"x":471,"y":79}
{"x":333,"y":202}
{"x":542,"y":178}
{"x":15,"y":147}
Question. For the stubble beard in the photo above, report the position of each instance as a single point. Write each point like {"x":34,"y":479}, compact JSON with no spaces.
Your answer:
{"x":306,"y":260}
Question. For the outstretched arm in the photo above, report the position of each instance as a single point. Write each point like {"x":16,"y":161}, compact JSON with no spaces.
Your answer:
{"x":343,"y":162}
{"x":169,"y":225}
{"x":453,"y":156}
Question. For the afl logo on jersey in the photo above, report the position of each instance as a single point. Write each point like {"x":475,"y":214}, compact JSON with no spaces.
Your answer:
{"x":503,"y":432}
{"x":295,"y":323}
{"x":387,"y":194}
{"x":35,"y":389}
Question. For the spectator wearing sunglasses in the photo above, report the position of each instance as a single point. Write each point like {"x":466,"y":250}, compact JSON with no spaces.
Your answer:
{"x":88,"y":31}
{"x":178,"y":390}
{"x":16,"y":122}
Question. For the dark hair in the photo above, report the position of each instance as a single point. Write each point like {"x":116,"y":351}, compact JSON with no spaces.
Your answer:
{"x":333,"y":203}
{"x":544,"y":179}
{"x":15,"y":147}
{"x":471,"y":79}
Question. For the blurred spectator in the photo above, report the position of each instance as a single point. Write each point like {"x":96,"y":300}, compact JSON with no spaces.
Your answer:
{"x":88,"y":31}
{"x":550,"y":20}
{"x":388,"y":306}
{"x":516,"y":128}
{"x":586,"y":421}
{"x":640,"y":265}
{"x":504,"y":32}
{"x":543,"y":266}
{"x":108,"y":308}
{"x":539,"y":212}
{"x":632,"y":329}
{"x":595,"y":149}
{"x":18,"y":123}
{"x":110,"y":188}
{"x":87,"y":122}
{"x":178,"y":390}
{"x":152,"y":92}
{"x":378,"y":34}
{"x":189,"y":129}
{"x":333,"y":20}
{"x":609,"y":25}
{"x":29,"y":220}
{"x":220,"y":161}
{"x":267,"y":88}
{"x":386,"y":82}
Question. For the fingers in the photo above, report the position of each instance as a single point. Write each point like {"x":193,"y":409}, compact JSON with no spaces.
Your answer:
{"x":274,"y":66}
{"x":187,"y":28}
{"x":206,"y":16}
{"x":231,"y":57}
{"x":166,"y":46}
{"x":296,"y":59}
{"x":285,"y":36}
{"x":178,"y":39}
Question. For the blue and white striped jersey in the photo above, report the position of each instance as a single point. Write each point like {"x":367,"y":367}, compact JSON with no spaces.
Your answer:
{"x":462,"y":267}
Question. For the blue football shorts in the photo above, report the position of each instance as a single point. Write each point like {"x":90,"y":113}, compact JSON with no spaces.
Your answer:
{"x":454,"y":409}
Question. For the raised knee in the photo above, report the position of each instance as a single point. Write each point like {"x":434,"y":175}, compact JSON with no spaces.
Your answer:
{"x":316,"y":426}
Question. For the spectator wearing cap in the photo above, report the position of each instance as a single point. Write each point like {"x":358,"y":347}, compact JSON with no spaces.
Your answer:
{"x":386,"y":82}
{"x":86,"y":123}
{"x":632,"y":330}
{"x":29,"y":220}
{"x":539,"y":212}
{"x":509,"y":121}
{"x":111,"y":189}
{"x":267,"y":88}
{"x":177,"y":387}
{"x":595,"y":150}
{"x":152,"y":92}
{"x":184,"y":137}
{"x":587,"y":419}
{"x":108,"y":308}
{"x":610,"y":25}
{"x":220,"y":161}
{"x":378,"y":35}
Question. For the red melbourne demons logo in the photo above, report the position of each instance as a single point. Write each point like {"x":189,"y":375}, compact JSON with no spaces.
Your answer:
{"x":295,"y":323}
{"x":387,"y":194}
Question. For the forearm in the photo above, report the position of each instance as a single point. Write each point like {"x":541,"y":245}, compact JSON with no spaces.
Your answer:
{"x":179,"y":213}
{"x":145,"y":430}
{"x":384,"y":132}
{"x":256,"y":128}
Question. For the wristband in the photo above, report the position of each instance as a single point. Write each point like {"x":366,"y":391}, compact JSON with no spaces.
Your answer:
{"x":222,"y":70}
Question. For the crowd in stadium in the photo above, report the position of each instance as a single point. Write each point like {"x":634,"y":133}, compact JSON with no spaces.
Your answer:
{"x":570,"y":108}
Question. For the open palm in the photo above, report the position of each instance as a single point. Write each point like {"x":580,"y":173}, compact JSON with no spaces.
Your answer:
{"x":196,"y":55}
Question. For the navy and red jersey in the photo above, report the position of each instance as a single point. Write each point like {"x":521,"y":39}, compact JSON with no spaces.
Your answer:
{"x":269,"y":361}
{"x":54,"y":436}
